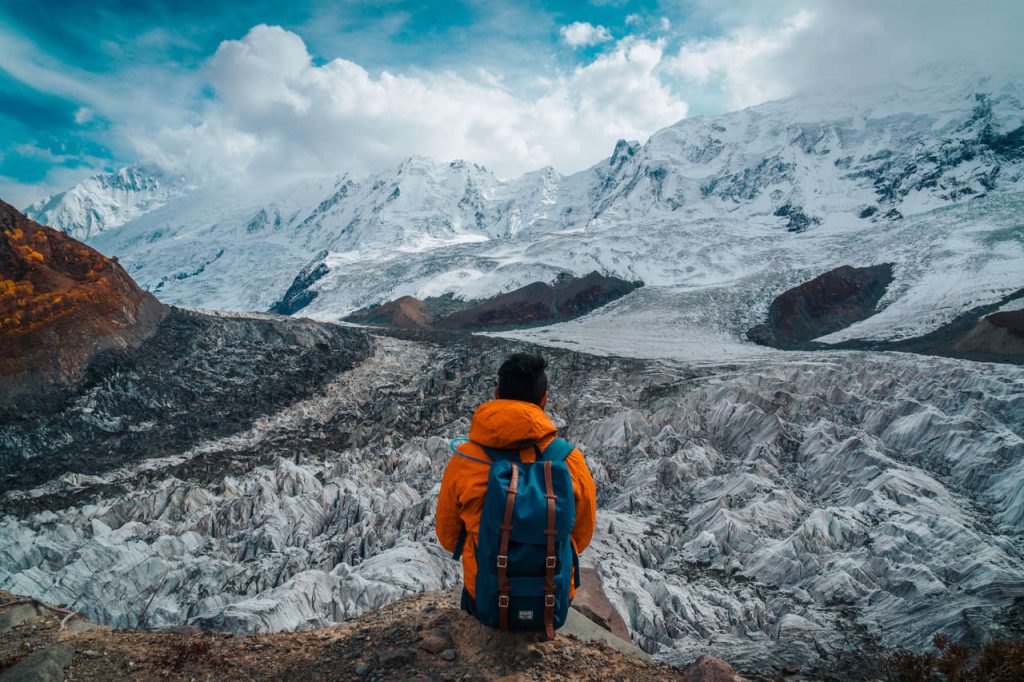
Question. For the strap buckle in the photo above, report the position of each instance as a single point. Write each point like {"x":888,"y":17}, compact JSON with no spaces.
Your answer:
{"x":503,"y":601}
{"x":503,"y":561}
{"x":549,"y":562}
{"x":549,"y":600}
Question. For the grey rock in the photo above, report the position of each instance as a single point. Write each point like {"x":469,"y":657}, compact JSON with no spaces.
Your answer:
{"x":435,"y":641}
{"x":47,"y":665}
{"x":449,"y":654}
{"x":17,"y":614}
{"x":393,"y":657}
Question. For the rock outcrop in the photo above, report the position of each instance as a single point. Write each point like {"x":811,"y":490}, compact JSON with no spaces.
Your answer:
{"x":825,"y":304}
{"x":1000,"y":335}
{"x":420,"y":637}
{"x":407,"y":312}
{"x":61,"y":303}
{"x":537,"y":303}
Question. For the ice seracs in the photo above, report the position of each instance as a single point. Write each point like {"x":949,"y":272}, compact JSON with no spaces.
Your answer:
{"x":810,"y":508}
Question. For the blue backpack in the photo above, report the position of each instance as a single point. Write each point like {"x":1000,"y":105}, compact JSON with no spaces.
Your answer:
{"x":525,"y":559}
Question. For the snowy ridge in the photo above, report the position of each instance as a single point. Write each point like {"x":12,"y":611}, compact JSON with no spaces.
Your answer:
{"x":108,"y":201}
{"x":756,"y":200}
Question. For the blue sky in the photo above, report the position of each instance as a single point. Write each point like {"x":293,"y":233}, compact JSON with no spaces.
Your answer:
{"x":271,"y":88}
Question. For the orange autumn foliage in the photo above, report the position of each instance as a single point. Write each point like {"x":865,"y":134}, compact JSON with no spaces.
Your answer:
{"x":48,"y":276}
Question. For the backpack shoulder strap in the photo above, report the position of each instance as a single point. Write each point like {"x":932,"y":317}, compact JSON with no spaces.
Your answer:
{"x":454,"y":444}
{"x":496,"y":454}
{"x":557,"y":450}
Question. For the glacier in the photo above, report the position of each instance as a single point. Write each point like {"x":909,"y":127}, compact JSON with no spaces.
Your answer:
{"x":795,"y":507}
{"x":255,"y":473}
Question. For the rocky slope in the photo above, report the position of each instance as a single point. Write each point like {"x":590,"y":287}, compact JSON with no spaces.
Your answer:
{"x":828,"y":303}
{"x":61,"y":303}
{"x":835,"y":300}
{"x":810,"y":509}
{"x":1000,"y":335}
{"x":423,"y":637}
{"x":535,"y":304}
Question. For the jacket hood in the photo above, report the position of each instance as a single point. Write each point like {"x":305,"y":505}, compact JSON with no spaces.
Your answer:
{"x":510,"y":424}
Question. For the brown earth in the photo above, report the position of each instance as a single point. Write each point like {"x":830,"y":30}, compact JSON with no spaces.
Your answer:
{"x":406,"y":312}
{"x":829,"y":302}
{"x":536,"y":303}
{"x":999,"y":336}
{"x":61,"y":303}
{"x":421,"y":637}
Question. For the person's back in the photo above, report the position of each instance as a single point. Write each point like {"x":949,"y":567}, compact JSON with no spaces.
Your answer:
{"x":541,"y":509}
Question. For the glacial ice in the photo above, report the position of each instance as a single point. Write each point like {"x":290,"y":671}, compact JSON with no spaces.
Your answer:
{"x":804,"y":507}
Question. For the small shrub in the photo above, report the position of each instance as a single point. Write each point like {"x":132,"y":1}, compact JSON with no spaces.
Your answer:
{"x":998,"y":661}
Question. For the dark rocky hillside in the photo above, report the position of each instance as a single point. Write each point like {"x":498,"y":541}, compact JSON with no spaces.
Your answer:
{"x":826,"y":304}
{"x":198,"y":377}
{"x":534,"y":304}
{"x":846,"y":295}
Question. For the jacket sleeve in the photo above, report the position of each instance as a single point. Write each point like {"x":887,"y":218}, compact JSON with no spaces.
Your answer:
{"x":448,"y":522}
{"x":586,"y":500}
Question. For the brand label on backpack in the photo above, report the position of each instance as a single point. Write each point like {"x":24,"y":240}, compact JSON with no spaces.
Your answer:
{"x":526,"y":615}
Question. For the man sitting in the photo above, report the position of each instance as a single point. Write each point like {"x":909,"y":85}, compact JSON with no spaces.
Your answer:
{"x":519,"y":504}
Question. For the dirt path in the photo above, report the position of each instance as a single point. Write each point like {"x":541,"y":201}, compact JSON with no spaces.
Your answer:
{"x":421,"y":637}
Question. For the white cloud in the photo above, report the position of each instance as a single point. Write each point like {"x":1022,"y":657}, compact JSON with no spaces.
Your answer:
{"x":773,"y":49}
{"x":634,"y":20}
{"x":583,"y":34}
{"x":276,"y":113}
{"x":83,"y":115}
{"x":739,"y":58}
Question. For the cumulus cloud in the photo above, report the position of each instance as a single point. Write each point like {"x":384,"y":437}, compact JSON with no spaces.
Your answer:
{"x":739,"y":59}
{"x":584,"y":34}
{"x":275,"y":112}
{"x":639,"y":21}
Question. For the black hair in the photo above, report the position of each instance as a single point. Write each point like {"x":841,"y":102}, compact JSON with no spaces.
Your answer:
{"x":522,"y":377}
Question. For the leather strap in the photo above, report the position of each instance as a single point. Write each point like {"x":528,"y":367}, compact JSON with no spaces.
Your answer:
{"x":551,"y":559}
{"x":506,"y":531}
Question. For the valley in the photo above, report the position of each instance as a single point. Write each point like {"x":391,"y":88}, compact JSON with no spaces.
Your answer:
{"x":196,"y":427}
{"x":813,"y":507}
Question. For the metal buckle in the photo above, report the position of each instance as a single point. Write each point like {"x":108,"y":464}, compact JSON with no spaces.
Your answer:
{"x":549,"y":562}
{"x":549,"y":600}
{"x":503,"y":601}
{"x":503,"y":561}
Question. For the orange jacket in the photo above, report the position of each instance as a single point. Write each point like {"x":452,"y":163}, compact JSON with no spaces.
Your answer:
{"x":504,"y":425}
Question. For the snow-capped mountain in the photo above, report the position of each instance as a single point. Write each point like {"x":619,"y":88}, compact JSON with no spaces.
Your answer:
{"x":255,"y":473}
{"x":732,"y":209}
{"x":107,"y":201}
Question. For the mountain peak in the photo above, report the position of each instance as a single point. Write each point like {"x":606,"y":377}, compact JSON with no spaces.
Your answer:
{"x":107,"y":200}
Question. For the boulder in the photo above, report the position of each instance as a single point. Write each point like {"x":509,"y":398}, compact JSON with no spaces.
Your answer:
{"x":592,"y":602}
{"x":710,"y":669}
